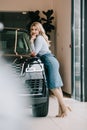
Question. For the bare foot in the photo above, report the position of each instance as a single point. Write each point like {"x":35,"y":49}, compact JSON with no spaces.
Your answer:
{"x":60,"y":112}
{"x":63,"y":113}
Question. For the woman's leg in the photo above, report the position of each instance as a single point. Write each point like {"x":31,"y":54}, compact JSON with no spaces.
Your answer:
{"x":63,"y":109}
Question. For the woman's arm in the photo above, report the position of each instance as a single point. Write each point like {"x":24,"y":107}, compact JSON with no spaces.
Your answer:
{"x":36,"y":45}
{"x":32,"y":48}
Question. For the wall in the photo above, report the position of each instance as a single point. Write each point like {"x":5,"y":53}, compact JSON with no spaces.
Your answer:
{"x":63,"y":40}
{"x":61,"y":37}
{"x":18,"y":5}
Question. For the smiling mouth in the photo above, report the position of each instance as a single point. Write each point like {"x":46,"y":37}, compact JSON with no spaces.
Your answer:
{"x":34,"y":34}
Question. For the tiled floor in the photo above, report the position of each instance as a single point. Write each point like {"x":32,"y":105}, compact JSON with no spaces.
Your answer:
{"x":76,"y":120}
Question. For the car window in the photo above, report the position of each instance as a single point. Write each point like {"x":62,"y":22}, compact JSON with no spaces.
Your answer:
{"x":7,"y":41}
{"x":22,"y":43}
{"x":9,"y":44}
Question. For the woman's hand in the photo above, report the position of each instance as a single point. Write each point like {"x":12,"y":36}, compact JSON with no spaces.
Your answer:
{"x":33,"y":54}
{"x":33,"y":37}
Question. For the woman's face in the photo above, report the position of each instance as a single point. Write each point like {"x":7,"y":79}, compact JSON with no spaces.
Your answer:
{"x":34,"y":31}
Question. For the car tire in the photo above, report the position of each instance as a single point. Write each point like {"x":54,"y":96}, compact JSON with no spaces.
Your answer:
{"x":41,"y":110}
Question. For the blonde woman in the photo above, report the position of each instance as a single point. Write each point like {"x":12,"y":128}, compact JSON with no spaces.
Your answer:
{"x":39,"y":44}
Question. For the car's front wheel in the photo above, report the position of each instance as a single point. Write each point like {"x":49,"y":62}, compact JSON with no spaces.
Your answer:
{"x":41,"y":110}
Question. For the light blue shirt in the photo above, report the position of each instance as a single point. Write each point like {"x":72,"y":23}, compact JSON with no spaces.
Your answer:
{"x":40,"y":46}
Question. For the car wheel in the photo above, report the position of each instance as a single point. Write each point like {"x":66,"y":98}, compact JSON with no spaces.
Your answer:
{"x":41,"y":110}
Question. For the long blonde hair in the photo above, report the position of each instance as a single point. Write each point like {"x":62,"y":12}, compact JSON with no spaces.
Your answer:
{"x":41,"y":30}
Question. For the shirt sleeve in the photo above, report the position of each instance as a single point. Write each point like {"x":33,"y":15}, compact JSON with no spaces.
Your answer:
{"x":32,"y":48}
{"x":37,"y":45}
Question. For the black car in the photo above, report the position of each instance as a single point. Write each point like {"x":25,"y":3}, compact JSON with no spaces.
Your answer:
{"x":14,"y":44}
